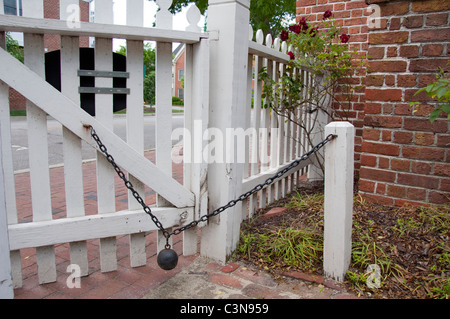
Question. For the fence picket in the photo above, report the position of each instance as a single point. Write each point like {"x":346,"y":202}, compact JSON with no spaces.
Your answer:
{"x":135,"y":120}
{"x":6,"y":285}
{"x":104,"y":114}
{"x":248,"y":115}
{"x":8,"y":168}
{"x":73,"y":171}
{"x":38,"y":145}
{"x":272,"y":128}
{"x":255,"y":155}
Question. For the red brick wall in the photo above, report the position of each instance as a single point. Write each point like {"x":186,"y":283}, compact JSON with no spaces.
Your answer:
{"x":52,"y":42}
{"x":352,"y":16}
{"x":402,"y":156}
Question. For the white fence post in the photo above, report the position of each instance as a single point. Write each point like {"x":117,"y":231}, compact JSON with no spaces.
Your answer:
{"x":339,"y":161}
{"x":228,"y":78}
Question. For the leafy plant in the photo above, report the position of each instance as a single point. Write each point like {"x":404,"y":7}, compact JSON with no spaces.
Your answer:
{"x":268,"y":15}
{"x":149,"y":71}
{"x":440,"y":91}
{"x":320,"y":63}
{"x":12,"y":46}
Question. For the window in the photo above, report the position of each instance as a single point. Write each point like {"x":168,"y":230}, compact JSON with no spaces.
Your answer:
{"x":181,"y":94}
{"x":10,"y":7}
{"x":180,"y":74}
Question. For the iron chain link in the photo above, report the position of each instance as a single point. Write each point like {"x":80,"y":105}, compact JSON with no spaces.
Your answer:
{"x":219,"y":210}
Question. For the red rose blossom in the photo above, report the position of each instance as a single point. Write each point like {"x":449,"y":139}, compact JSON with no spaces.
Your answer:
{"x":303,"y":24}
{"x":344,"y":38}
{"x":327,"y":14}
{"x":284,"y":36}
{"x":295,"y":28}
{"x":291,"y":54}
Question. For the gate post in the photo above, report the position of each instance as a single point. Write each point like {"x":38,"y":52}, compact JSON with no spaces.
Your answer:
{"x":228,"y":20}
{"x":338,"y":209}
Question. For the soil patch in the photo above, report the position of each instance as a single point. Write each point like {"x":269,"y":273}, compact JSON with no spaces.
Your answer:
{"x":396,"y":252}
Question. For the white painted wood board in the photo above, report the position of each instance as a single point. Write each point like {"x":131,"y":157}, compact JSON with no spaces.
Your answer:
{"x":95,"y":226}
{"x":52,"y":26}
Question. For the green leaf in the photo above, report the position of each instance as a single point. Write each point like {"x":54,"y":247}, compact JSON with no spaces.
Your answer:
{"x":446,"y":108}
{"x":434,"y":115}
{"x":441,"y":92}
{"x":447,"y":95}
{"x":420,"y":91}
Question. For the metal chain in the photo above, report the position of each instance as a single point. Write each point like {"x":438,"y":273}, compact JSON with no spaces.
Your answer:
{"x":219,"y":210}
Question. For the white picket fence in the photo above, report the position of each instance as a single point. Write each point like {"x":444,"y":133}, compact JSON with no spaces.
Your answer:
{"x":278,"y":142}
{"x":221,"y":77}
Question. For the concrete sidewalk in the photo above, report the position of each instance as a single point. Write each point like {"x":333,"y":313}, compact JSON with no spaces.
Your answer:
{"x":205,"y":279}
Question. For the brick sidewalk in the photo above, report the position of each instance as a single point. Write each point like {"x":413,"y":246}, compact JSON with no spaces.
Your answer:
{"x":231,"y":281}
{"x":126,"y":282}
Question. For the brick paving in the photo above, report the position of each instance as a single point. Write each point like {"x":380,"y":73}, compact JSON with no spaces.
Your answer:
{"x":230,"y":281}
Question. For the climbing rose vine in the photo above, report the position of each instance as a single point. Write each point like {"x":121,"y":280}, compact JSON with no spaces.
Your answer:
{"x":318,"y":46}
{"x":322,"y":49}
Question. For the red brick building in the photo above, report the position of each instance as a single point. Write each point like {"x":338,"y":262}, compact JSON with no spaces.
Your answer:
{"x":178,"y":71}
{"x":400,"y":156}
{"x":51,"y":11}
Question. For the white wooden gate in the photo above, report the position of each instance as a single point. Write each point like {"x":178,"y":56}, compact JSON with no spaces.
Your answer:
{"x":221,"y":75}
{"x":176,"y":202}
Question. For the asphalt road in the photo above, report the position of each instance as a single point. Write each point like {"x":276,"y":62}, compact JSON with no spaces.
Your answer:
{"x":55,"y":140}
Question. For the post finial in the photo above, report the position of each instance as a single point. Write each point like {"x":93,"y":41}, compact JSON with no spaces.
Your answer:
{"x":164,"y":18}
{"x":193,"y":16}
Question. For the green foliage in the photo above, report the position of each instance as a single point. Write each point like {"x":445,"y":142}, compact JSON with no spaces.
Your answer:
{"x":440,"y":91}
{"x":12,"y":46}
{"x":267,"y":15}
{"x":287,"y":246}
{"x":321,"y":51}
{"x":149,"y":71}
{"x":177,"y":101}
{"x":270,"y":15}
{"x":177,"y":5}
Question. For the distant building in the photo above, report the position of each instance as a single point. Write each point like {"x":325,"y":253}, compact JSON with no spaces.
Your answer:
{"x":178,"y":71}
{"x":51,"y":11}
